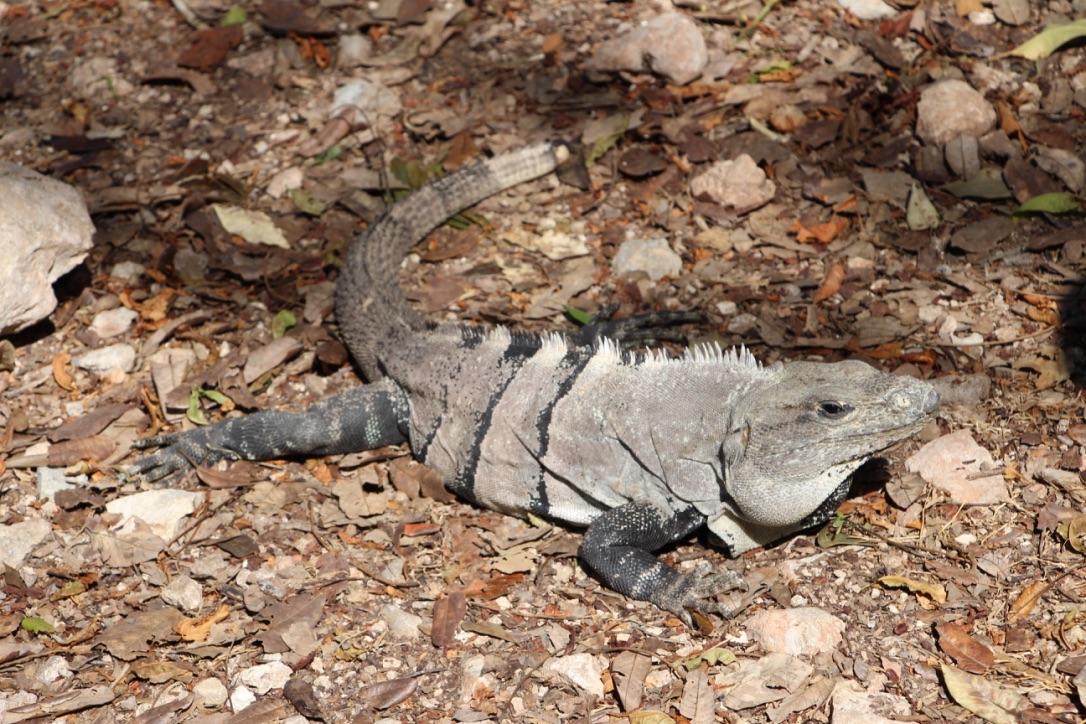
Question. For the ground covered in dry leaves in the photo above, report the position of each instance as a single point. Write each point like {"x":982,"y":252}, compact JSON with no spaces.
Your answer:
{"x":229,"y":154}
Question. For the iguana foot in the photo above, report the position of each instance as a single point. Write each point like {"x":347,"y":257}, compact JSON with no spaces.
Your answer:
{"x":179,"y":452}
{"x":695,"y":591}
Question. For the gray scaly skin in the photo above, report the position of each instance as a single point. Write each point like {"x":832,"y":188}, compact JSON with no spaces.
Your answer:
{"x":640,"y":450}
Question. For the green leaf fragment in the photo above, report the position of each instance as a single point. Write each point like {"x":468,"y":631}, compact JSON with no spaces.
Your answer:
{"x":1046,"y":42}
{"x":714,"y":656}
{"x":195,"y":412}
{"x":988,"y":184}
{"x":606,"y":143}
{"x":328,"y":155}
{"x":1060,"y":202}
{"x":833,"y":535}
{"x":217,"y":397}
{"x":33,"y":624}
{"x":236,"y":15}
{"x":580,"y":317}
{"x":304,"y":202}
{"x":283,"y":321}
{"x":920,"y":212}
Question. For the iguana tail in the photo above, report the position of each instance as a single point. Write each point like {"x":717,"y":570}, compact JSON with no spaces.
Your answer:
{"x":370,"y":303}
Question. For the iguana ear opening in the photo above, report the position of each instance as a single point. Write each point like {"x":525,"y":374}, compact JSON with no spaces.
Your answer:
{"x":735,"y":445}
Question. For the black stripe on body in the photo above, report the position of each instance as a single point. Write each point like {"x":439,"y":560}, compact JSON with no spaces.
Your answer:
{"x":514,"y":356}
{"x":519,"y":347}
{"x":578,"y":357}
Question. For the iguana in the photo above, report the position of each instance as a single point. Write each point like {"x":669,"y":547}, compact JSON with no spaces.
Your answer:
{"x":640,"y":449}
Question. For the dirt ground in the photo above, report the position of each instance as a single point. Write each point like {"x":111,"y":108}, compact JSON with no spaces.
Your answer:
{"x":351,"y":588}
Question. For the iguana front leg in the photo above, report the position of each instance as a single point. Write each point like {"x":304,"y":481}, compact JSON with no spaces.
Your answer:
{"x":362,"y":418}
{"x":618,"y":546}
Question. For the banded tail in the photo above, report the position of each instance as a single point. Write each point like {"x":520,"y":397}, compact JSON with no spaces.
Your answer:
{"x":370,"y":304}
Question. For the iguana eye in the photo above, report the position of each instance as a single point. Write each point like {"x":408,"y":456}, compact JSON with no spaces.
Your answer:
{"x":831,"y":410}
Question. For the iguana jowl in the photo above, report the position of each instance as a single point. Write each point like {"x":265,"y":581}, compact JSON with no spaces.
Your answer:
{"x":642,"y":450}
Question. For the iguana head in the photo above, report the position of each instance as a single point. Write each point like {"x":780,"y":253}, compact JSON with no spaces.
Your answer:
{"x":801,"y":431}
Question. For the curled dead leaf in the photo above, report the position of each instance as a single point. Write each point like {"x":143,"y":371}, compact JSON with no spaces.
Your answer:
{"x":989,"y":701}
{"x":929,"y":593}
{"x":971,"y":655}
{"x":1076,"y":533}
{"x":198,"y":629}
{"x":1027,"y":599}
{"x":61,"y":376}
{"x":832,"y":283}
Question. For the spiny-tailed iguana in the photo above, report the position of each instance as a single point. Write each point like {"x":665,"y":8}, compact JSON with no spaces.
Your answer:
{"x":641,"y":449}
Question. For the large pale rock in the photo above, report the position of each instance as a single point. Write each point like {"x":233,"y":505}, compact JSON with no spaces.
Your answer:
{"x":956,"y":464}
{"x":952,"y":108}
{"x":671,"y":44}
{"x":738,"y":184}
{"x":45,"y":231}
{"x":796,"y":631}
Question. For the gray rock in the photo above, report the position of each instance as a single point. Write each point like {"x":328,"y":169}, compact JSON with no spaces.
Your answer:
{"x":671,"y":44}
{"x":45,"y":231}
{"x":18,"y":540}
{"x":868,"y":9}
{"x":183,"y":593}
{"x":652,"y":256}
{"x":190,"y":265}
{"x":738,"y":184}
{"x":951,"y":108}
{"x":265,"y":677}
{"x":107,"y":359}
{"x":210,"y":693}
{"x":354,"y":50}
{"x":113,"y":322}
{"x":52,"y":480}
{"x":164,"y":511}
{"x":402,"y":626}
{"x":128,"y":271}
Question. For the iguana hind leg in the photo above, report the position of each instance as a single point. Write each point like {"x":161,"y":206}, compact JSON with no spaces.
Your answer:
{"x":618,"y":546}
{"x":362,"y":418}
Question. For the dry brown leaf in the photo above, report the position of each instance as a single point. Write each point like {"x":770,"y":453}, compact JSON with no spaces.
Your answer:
{"x":1027,"y":599}
{"x":60,"y":372}
{"x":94,"y":448}
{"x":649,"y":717}
{"x":832,"y":283}
{"x":822,"y":233}
{"x":463,"y":149}
{"x":198,"y":629}
{"x":159,"y":672}
{"x":971,"y":655}
{"x":929,"y":593}
{"x":301,"y":695}
{"x":630,"y":669}
{"x":384,"y":694}
{"x":698,"y":700}
{"x":486,"y":628}
{"x":964,"y":7}
{"x":1076,"y":533}
{"x":448,"y":613}
{"x":989,"y":701}
{"x":552,"y":43}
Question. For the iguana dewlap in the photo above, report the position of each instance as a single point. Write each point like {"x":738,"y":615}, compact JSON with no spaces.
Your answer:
{"x":642,"y":450}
